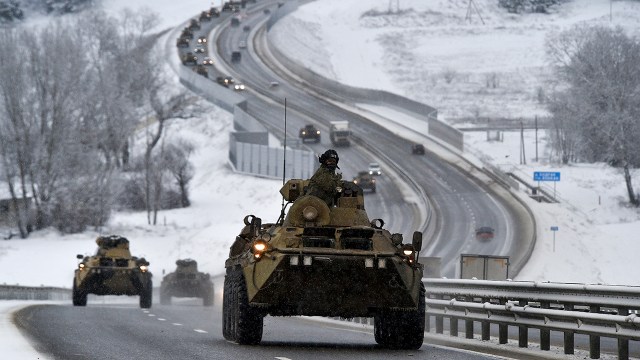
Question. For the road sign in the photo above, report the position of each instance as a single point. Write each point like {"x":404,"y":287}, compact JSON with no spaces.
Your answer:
{"x":554,"y":228}
{"x":546,"y":176}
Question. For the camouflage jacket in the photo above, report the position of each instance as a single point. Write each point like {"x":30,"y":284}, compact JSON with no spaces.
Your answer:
{"x":323,"y":184}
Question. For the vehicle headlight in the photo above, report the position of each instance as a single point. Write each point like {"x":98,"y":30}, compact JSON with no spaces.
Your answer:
{"x":81,"y":266}
{"x":409,"y":252}
{"x":310,"y":213}
{"x":144,"y":268}
{"x":258,"y":248}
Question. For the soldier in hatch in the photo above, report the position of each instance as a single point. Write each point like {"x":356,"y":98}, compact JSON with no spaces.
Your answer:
{"x":325,"y":183}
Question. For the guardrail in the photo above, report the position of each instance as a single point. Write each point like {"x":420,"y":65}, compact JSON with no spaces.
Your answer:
{"x":593,"y":310}
{"x":17,"y":292}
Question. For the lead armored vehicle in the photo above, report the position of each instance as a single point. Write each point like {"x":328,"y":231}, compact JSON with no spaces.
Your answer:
{"x":112,"y":271}
{"x":324,"y":261}
{"x":186,"y":281}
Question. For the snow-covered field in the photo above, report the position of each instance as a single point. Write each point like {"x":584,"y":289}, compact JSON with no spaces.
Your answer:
{"x":414,"y":53}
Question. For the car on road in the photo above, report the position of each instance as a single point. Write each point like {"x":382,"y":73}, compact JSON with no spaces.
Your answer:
{"x":201,"y":70}
{"x":242,"y":44}
{"x":187,"y":281}
{"x":225,"y":80}
{"x":199,"y":48}
{"x":202,"y":40}
{"x":374,"y":169}
{"x":485,"y":233}
{"x":417,"y":149}
{"x":366,"y":181}
{"x":205,"y":16}
{"x":236,"y":56}
{"x":207,"y":61}
{"x":194,"y":24}
{"x":238,"y":87}
{"x":182,"y":42}
{"x":309,"y":132}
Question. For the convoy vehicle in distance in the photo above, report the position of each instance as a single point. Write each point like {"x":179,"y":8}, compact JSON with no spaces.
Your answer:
{"x":189,"y":59}
{"x":202,"y":40}
{"x":186,"y":33}
{"x":374,"y":169}
{"x":182,"y":42}
{"x":417,"y":149}
{"x":112,"y":271}
{"x":186,"y":281}
{"x":205,"y":16}
{"x":242,"y":44}
{"x":199,"y":48}
{"x":194,"y":25}
{"x":236,"y":56}
{"x":485,"y":233}
{"x":339,"y":133}
{"x":201,"y":70}
{"x":366,"y":181}
{"x":309,"y":132}
{"x":225,"y":80}
{"x":235,"y":21}
{"x":318,"y":260}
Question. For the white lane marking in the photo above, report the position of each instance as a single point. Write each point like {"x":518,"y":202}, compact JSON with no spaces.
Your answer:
{"x":151,"y":314}
{"x":177,"y":324}
{"x":281,"y":358}
{"x":200,"y":331}
{"x":161,"y":319}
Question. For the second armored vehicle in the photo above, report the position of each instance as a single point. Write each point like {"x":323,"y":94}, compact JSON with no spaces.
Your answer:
{"x":112,"y":271}
{"x":324,"y":261}
{"x":309,"y":132}
{"x":186,"y":281}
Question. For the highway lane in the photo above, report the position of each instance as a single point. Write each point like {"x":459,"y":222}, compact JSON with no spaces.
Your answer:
{"x":116,"y":328}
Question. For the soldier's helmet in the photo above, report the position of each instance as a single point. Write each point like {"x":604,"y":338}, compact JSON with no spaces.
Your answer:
{"x":329,"y":154}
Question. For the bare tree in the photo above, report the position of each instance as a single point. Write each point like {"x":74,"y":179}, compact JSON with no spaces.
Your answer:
{"x":600,"y":101}
{"x":176,"y":159}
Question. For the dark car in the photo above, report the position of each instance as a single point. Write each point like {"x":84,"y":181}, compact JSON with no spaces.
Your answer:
{"x":366,"y":181}
{"x":417,"y":149}
{"x":236,"y":56}
{"x":187,"y":33}
{"x":309,"y":132}
{"x":201,"y":70}
{"x":484,"y":233}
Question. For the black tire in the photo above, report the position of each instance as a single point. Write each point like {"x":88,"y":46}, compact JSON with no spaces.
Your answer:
{"x":228,"y":329}
{"x":248,"y":320}
{"x":79,"y":297}
{"x":207,"y":298}
{"x":401,"y":329}
{"x":146,"y":295}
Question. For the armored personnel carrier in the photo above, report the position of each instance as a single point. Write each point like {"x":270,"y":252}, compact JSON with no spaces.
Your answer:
{"x":186,"y":281}
{"x":324,"y":261}
{"x":112,"y":271}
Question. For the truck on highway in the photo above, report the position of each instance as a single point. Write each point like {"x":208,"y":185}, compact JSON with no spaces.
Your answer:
{"x":339,"y":133}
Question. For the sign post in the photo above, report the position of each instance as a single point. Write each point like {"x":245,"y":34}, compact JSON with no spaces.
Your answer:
{"x":547,"y":176}
{"x":554,"y":229}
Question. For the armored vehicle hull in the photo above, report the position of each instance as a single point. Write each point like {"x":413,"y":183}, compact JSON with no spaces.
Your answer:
{"x":324,"y":261}
{"x":187,"y":281}
{"x":112,"y":271}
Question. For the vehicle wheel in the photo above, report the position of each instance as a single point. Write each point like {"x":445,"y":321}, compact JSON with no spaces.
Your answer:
{"x":146,"y":296}
{"x":401,"y":329}
{"x":79,"y":297}
{"x":228,"y":330}
{"x":165,"y":297}
{"x":207,"y":299}
{"x":373,"y":190}
{"x":248,"y":321}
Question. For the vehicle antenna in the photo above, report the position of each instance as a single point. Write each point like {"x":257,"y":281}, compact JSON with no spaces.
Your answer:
{"x":284,"y":161}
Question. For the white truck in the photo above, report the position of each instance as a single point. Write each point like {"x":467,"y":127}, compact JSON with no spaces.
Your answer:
{"x":340,"y":133}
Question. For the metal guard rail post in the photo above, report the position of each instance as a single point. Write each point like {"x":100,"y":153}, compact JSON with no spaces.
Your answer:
{"x":593,"y":310}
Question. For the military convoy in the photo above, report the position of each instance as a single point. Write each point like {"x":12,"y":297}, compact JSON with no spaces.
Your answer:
{"x":309,"y":132}
{"x":365,"y":181}
{"x":186,"y":281}
{"x":324,"y":261}
{"x":112,"y":271}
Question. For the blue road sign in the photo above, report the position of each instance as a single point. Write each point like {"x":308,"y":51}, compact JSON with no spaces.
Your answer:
{"x":546,"y":176}
{"x":554,"y":228}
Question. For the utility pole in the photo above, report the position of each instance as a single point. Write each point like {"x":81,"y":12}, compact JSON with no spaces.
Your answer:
{"x":523,"y":158}
{"x":470,"y":8}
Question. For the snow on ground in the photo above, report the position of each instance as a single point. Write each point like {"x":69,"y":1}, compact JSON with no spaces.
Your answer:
{"x":413,"y":55}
